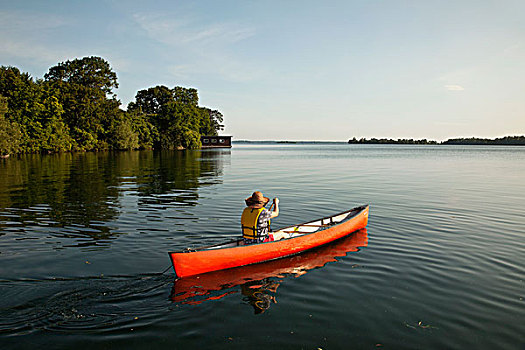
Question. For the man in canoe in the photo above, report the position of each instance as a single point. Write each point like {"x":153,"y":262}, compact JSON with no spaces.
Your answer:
{"x":255,"y":219}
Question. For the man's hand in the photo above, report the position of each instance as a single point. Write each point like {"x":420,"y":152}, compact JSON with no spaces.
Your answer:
{"x":275,"y":211}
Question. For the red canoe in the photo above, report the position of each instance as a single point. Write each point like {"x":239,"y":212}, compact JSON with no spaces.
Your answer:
{"x":217,"y":284}
{"x":295,"y":239}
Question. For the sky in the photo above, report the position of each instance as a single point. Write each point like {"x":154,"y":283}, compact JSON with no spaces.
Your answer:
{"x":299,"y":70}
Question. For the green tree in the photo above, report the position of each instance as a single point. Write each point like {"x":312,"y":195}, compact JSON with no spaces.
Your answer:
{"x":123,"y":135}
{"x":150,"y":101}
{"x":75,"y":108}
{"x":210,"y":123}
{"x":173,"y":117}
{"x":190,"y":139}
{"x":9,"y":131}
{"x":186,"y":95}
{"x":146,"y":131}
{"x":55,"y":135}
{"x":178,"y":126}
{"x":82,"y":86}
{"x":24,"y":98}
{"x":91,"y":72}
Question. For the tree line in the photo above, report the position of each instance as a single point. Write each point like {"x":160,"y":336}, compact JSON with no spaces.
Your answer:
{"x":507,"y":140}
{"x":74,"y":108}
{"x":391,"y":141}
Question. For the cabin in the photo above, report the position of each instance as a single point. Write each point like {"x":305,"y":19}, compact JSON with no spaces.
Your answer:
{"x":216,"y":141}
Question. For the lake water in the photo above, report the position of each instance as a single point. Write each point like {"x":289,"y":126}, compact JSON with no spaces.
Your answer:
{"x":84,"y":241}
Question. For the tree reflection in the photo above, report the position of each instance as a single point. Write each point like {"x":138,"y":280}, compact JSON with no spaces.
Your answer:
{"x":81,"y":194}
{"x":258,"y":283}
{"x":61,"y":189}
{"x":173,"y":177}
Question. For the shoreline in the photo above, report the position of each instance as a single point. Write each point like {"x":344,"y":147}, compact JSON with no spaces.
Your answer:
{"x":265,"y":142}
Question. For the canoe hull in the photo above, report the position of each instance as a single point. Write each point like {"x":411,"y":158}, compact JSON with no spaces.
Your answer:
{"x":202,"y":261}
{"x":199,"y":288}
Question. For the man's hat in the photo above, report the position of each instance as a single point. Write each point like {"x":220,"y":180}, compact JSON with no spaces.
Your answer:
{"x":257,"y":200}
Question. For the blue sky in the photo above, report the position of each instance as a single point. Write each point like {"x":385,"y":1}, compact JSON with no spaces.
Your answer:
{"x":299,"y":70}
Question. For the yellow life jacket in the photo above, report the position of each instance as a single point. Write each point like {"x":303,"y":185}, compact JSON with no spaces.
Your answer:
{"x":249,"y":220}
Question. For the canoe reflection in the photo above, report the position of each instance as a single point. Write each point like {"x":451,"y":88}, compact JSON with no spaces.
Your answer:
{"x":259,"y":282}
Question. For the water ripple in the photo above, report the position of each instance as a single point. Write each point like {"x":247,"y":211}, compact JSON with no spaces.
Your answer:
{"x":444,"y":267}
{"x":86,"y":304}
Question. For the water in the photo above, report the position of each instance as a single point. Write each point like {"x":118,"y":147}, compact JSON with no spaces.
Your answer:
{"x":84,"y":239}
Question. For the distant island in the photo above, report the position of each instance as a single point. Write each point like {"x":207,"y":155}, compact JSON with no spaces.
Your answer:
{"x":503,"y":141}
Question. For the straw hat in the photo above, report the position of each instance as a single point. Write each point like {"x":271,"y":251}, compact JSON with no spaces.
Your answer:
{"x":257,"y":200}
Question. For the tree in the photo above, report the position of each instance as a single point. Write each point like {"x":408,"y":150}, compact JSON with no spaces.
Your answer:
{"x":29,"y":106}
{"x":9,"y":131}
{"x":55,"y":135}
{"x":173,"y":117}
{"x":211,"y":122}
{"x":92,"y":72}
{"x":124,"y":138}
{"x":150,"y":101}
{"x":146,"y":131}
{"x":3,"y":106}
{"x":74,"y":108}
{"x":81,"y":86}
{"x":186,"y":95}
{"x":178,"y":126}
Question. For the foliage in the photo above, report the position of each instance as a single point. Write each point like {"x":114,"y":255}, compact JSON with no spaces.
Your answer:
{"x":150,"y":101}
{"x":124,"y":137}
{"x":186,"y":95}
{"x":87,"y":111}
{"x":178,"y":125}
{"x":211,"y":122}
{"x":3,"y":106}
{"x":146,"y":131}
{"x":390,"y":141}
{"x":25,"y":106}
{"x":90,"y":72}
{"x":173,"y":117}
{"x":9,"y":131}
{"x":54,"y":135}
{"x":74,"y":108}
{"x":507,"y":140}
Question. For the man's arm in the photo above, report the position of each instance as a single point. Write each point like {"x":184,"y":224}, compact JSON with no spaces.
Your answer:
{"x":275,"y":212}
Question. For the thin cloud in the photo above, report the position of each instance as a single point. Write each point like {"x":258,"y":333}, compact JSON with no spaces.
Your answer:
{"x":182,"y":71}
{"x":29,"y":50}
{"x":191,"y":40}
{"x":24,"y":35}
{"x":16,"y":22}
{"x":29,"y":37}
{"x":184,"y":31}
{"x":454,"y":87}
{"x":222,"y":66}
